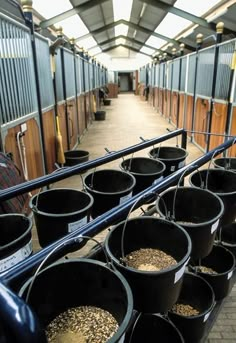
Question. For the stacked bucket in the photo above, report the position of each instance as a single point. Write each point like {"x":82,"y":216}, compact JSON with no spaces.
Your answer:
{"x":190,"y":229}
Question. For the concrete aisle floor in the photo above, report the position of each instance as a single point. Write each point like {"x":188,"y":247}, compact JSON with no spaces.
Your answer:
{"x":127,"y":119}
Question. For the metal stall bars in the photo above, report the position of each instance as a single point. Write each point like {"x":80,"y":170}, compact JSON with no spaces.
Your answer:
{"x":8,"y":312}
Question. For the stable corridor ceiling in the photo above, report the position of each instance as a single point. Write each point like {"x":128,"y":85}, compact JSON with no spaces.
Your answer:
{"x":134,"y":28}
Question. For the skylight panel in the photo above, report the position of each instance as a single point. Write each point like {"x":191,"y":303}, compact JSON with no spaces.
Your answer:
{"x":87,"y":43}
{"x":120,"y":41}
{"x":171,"y":25}
{"x":155,"y":42}
{"x":49,"y":9}
{"x":147,"y":50}
{"x":95,"y":51}
{"x":198,"y":7}
{"x":73,"y":27}
{"x":121,"y":30}
{"x":122,"y":9}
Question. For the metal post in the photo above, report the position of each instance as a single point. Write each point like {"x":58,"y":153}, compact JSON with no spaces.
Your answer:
{"x":219,"y":32}
{"x":231,"y":92}
{"x":28,"y":13}
{"x":182,"y":46}
{"x":199,"y":40}
{"x":171,"y":81}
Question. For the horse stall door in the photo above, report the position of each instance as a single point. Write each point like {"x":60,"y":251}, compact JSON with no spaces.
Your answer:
{"x":50,"y":139}
{"x":232,"y":151}
{"x":218,"y":124}
{"x":189,"y":114}
{"x":33,"y":148}
{"x":72,"y":123}
{"x":201,"y":118}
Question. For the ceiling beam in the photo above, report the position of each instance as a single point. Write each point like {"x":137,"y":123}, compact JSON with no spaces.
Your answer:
{"x":75,"y":10}
{"x":180,"y":13}
{"x":124,"y":46}
{"x":138,"y":28}
{"x":132,"y":40}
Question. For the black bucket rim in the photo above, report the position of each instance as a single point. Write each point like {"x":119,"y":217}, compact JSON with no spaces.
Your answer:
{"x":225,"y":272}
{"x":130,"y":303}
{"x":182,"y":262}
{"x":3,"y":247}
{"x":169,"y":147}
{"x":214,"y":170}
{"x":167,"y":320}
{"x":209,"y":310}
{"x":195,"y":188}
{"x":58,"y":215}
{"x":225,"y":242}
{"x":222,"y":159}
{"x":144,"y":158}
{"x":110,"y":193}
{"x":67,"y":154}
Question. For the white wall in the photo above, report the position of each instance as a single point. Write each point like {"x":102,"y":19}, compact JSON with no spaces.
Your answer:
{"x":122,"y":59}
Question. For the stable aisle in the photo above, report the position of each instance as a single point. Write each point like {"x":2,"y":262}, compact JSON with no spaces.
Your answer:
{"x":127,"y":119}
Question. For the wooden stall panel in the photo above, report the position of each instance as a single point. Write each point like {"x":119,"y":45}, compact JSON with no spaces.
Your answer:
{"x":181,"y":110}
{"x":50,"y":139}
{"x":81,"y":115}
{"x":72,"y":123}
{"x":174,"y":105}
{"x":88,"y":114}
{"x":33,"y":151}
{"x":63,"y":125}
{"x":201,"y":121}
{"x":151,"y":96}
{"x":232,"y":151}
{"x":113,"y":90}
{"x":189,"y":114}
{"x":218,"y":124}
{"x":141,"y":92}
{"x":166,"y":102}
{"x":161,"y":101}
{"x":155,"y":98}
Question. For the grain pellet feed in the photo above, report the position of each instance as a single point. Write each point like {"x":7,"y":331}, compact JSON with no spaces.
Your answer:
{"x":83,"y":324}
{"x":149,"y":260}
{"x":184,"y":310}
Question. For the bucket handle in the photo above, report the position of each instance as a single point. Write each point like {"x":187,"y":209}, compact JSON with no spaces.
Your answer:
{"x":208,"y":170}
{"x":69,"y":240}
{"x":125,"y":224}
{"x":176,"y":190}
{"x":134,"y":326}
{"x":158,"y":151}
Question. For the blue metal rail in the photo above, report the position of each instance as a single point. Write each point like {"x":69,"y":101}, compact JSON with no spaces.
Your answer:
{"x":10,"y":303}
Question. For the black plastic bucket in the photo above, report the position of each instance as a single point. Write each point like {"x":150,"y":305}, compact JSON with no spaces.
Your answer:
{"x":223,"y":183}
{"x":145,"y":170}
{"x":107,"y":102}
{"x":228,"y":163}
{"x":59,"y":211}
{"x":109,"y":188}
{"x":173,"y":157}
{"x":15,"y":239}
{"x":197,"y":293}
{"x":100,"y":115}
{"x":80,"y":282}
{"x":153,"y":291}
{"x":222,"y":261}
{"x":198,"y":211}
{"x":74,"y":157}
{"x":228,"y":237}
{"x":152,"y":328}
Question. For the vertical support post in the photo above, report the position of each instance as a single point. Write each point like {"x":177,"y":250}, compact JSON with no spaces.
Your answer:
{"x":184,"y":140}
{"x":219,"y":32}
{"x":182,"y":46}
{"x":28,"y":13}
{"x":171,"y":81}
{"x":230,"y":95}
{"x":72,"y":44}
{"x":199,"y":40}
